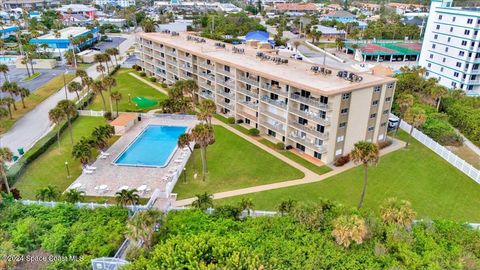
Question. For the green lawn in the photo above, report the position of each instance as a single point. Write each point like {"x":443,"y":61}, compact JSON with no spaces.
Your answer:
{"x":49,"y":168}
{"x":234,"y":163}
{"x":434,"y":187}
{"x":127,"y":84}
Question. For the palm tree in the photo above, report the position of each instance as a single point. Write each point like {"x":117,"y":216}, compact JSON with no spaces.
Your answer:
{"x":3,"y":112}
{"x":246,"y":204}
{"x":101,"y":135}
{"x":207,"y":110}
{"x":56,"y":115}
{"x":4,"y":69}
{"x":12,"y":89}
{"x":366,"y":153}
{"x":397,"y":212}
{"x":106,"y":58}
{"x":141,"y":226}
{"x":81,"y":73}
{"x":416,"y":117}
{"x":74,"y":195}
{"x":184,"y":141}
{"x":24,"y":92}
{"x":5,"y":156}
{"x":203,"y":201}
{"x":404,"y":102}
{"x":113,"y":52}
{"x":98,"y":87}
{"x":148,"y":25}
{"x":296,"y":44}
{"x":76,"y":87}
{"x":82,"y":151}
{"x":203,"y":135}
{"x":109,"y":82}
{"x":8,"y":102}
{"x":349,"y":228}
{"x":49,"y":193}
{"x":116,"y":96}
{"x":24,"y":61}
{"x":339,"y":43}
{"x":101,"y":69}
{"x":286,"y":206}
{"x":70,"y":111}
{"x":124,"y":197}
{"x":436,"y":93}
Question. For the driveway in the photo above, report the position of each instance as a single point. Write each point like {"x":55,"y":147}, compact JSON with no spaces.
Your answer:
{"x":116,"y":41}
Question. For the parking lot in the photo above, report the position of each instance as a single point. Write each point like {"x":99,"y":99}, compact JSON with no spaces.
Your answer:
{"x":18,"y":74}
{"x":103,"y":45}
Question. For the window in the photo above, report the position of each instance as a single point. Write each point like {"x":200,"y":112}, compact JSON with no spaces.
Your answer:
{"x":470,"y":87}
{"x":444,"y":59}
{"x":346,"y":96}
{"x":300,"y":147}
{"x":317,"y":155}
{"x":386,"y":112}
{"x":459,"y":64}
{"x":475,"y":66}
{"x":338,"y":152}
{"x":342,"y":125}
{"x":440,"y":17}
{"x":320,"y":128}
{"x":461,"y":53}
{"x":451,"y":29}
{"x":449,"y":38}
{"x":434,"y":45}
{"x":377,"y":89}
{"x":431,"y":56}
{"x":454,"y":84}
{"x":464,"y":43}
{"x":446,"y":49}
{"x":438,"y":27}
{"x":429,"y":65}
{"x":390,"y":85}
{"x":375,"y":103}
{"x":340,"y":138}
{"x":441,"y":69}
{"x":435,"y":37}
{"x":469,"y":21}
{"x":473,"y":77}
{"x":371,"y":128}
{"x":344,"y":111}
{"x":454,"y":18}
{"x":455,"y":74}
{"x":388,"y":99}
{"x":373,"y":115}
{"x":322,"y":114}
{"x":475,"y":32}
{"x":226,"y":68}
{"x":467,"y":32}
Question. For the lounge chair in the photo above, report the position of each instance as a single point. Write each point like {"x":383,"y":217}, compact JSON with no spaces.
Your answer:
{"x":88,"y":167}
{"x":104,"y":153}
{"x":87,"y":171}
{"x":179,"y":160}
{"x":102,"y":157}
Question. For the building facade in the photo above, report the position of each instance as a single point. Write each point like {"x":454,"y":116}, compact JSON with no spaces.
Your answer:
{"x":11,"y":4}
{"x":120,"y":3}
{"x":450,"y":50}
{"x":314,"y":111}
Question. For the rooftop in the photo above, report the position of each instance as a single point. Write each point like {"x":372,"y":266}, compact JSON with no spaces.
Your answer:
{"x":295,"y":73}
{"x":296,"y":6}
{"x":65,"y":33}
{"x":340,"y":14}
{"x":75,"y":8}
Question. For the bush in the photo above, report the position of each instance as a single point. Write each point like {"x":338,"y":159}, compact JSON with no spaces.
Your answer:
{"x":280,"y":146}
{"x":438,"y":128}
{"x":253,"y":132}
{"x":152,"y":79}
{"x":384,"y":144}
{"x":231,"y":120}
{"x":108,"y":115}
{"x":143,"y":74}
{"x":103,"y":37}
{"x":339,"y":162}
{"x":163,"y":85}
{"x":289,"y":147}
{"x":114,"y":70}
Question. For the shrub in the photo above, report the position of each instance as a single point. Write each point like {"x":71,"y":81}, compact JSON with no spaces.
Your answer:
{"x":289,"y":147}
{"x":231,"y":120}
{"x":253,"y":132}
{"x":339,"y":162}
{"x":152,"y":79}
{"x":280,"y":146}
{"x":227,"y":211}
{"x":437,"y":127}
{"x":163,"y":85}
{"x":103,"y":37}
{"x":384,"y":144}
{"x":108,"y":115}
{"x":143,"y":74}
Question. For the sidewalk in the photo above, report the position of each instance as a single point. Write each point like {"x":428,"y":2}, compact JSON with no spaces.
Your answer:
{"x":156,"y":87}
{"x":310,"y":177}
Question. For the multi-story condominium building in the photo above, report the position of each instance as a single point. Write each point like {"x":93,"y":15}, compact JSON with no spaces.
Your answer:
{"x":10,"y":4}
{"x":308,"y":108}
{"x":450,"y":51}
{"x":120,"y":3}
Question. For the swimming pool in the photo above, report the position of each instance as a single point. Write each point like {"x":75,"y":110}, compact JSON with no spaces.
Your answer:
{"x":153,"y":147}
{"x":7,"y":59}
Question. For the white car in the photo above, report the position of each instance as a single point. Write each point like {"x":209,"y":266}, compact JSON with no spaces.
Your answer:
{"x":296,"y":56}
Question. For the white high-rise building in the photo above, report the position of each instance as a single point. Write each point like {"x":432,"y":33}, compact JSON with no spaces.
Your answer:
{"x":121,"y":3}
{"x":450,"y":50}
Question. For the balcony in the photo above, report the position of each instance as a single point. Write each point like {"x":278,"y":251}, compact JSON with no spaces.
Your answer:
{"x":311,"y":130}
{"x":206,"y":94}
{"x":187,"y":68}
{"x":278,"y":103}
{"x":226,"y":105}
{"x":184,"y":58}
{"x":205,"y":65}
{"x":275,"y":89}
{"x":277,"y":126}
{"x":249,"y":80}
{"x":228,"y":95}
{"x":207,"y":86}
{"x":229,"y":83}
{"x":171,"y":61}
{"x":310,"y":116}
{"x":206,"y":75}
{"x":226,"y":73}
{"x":247,"y":92}
{"x":247,"y":115}
{"x":310,"y":143}
{"x":250,"y":104}
{"x":312,"y":101}
{"x":274,"y":116}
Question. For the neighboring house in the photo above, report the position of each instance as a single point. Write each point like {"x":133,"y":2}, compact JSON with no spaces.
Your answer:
{"x":329,"y":32}
{"x":340,"y":16}
{"x":62,"y":43}
{"x":120,"y":3}
{"x":85,"y":12}
{"x":295,"y":7}
{"x":116,"y":22}
{"x":7,"y":31}
{"x":401,"y":8}
{"x":451,"y":46}
{"x":30,"y":4}
{"x":228,"y":8}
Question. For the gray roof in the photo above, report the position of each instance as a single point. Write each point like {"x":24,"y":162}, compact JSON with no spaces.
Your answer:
{"x":329,"y":30}
{"x":340,"y":14}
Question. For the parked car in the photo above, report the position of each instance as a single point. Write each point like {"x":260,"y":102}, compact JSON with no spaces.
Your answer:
{"x":95,"y":49}
{"x":109,"y":39}
{"x":296,"y":56}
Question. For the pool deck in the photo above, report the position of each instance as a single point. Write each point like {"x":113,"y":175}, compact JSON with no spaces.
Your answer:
{"x":115,"y":176}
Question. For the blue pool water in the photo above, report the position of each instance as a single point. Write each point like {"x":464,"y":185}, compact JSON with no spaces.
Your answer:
{"x":7,"y":59}
{"x":152,"y":148}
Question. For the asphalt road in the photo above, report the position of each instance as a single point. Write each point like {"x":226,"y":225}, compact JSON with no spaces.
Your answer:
{"x":116,"y":41}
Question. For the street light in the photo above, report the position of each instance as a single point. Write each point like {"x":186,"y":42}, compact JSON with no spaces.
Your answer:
{"x":129,"y":100}
{"x":68,"y":170}
{"x":184,"y":175}
{"x":65,"y":83}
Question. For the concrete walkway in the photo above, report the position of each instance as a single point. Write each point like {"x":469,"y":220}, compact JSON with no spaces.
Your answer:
{"x":156,"y":87}
{"x":310,"y":177}
{"x":36,"y":124}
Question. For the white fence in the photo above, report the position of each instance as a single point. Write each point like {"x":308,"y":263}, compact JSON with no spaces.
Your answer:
{"x":91,"y":205}
{"x":91,"y":113}
{"x":443,"y":152}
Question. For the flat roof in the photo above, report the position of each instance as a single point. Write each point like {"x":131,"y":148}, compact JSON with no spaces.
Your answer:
{"x":296,"y":73}
{"x":123,"y":119}
{"x":65,"y":33}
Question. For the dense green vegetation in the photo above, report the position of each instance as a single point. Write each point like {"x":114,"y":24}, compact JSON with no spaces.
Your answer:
{"x":129,"y":87}
{"x":435,"y":188}
{"x":233,"y":163}
{"x":62,"y":230}
{"x":49,"y":168}
{"x":464,"y":114}
{"x":319,"y":236}
{"x":217,"y":26}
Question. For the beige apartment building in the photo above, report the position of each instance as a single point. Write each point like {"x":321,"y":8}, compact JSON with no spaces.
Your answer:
{"x":308,"y":108}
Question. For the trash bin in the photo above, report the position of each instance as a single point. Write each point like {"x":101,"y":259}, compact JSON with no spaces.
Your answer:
{"x":20,"y":151}
{"x":15,"y":158}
